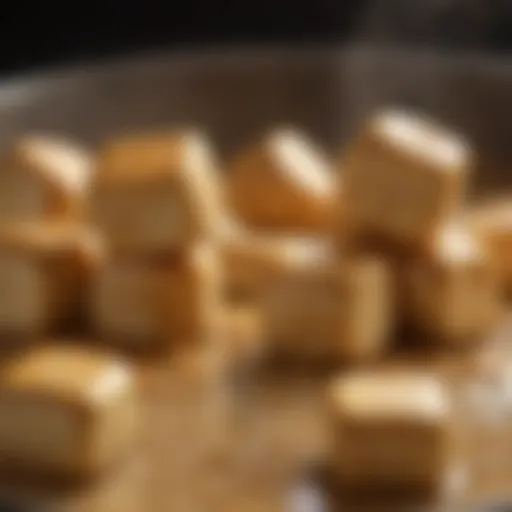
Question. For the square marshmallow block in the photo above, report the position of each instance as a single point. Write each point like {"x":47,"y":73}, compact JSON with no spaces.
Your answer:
{"x":402,"y":176}
{"x":44,"y":269}
{"x":491,"y":223}
{"x":155,"y":193}
{"x":454,"y":294}
{"x":155,"y":304}
{"x":391,"y":429}
{"x":254,"y":260}
{"x":341,"y":312}
{"x":65,"y":410}
{"x":43,"y":178}
{"x":283,"y":183}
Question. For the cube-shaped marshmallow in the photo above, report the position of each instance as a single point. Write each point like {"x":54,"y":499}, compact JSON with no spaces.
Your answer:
{"x":391,"y":430}
{"x":146,"y":305}
{"x":156,"y":193}
{"x":253,"y":260}
{"x":44,"y":272}
{"x":65,"y":410}
{"x":283,"y":183}
{"x":43,"y":178}
{"x":453,"y":295}
{"x":338,"y":311}
{"x":492,"y":224}
{"x":402,"y":177}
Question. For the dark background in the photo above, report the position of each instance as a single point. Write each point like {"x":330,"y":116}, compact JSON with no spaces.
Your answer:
{"x":36,"y":34}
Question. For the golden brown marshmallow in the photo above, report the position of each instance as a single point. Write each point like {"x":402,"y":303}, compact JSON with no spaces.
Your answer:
{"x":65,"y":411}
{"x":339,"y":312}
{"x":157,"y":192}
{"x":253,"y":260}
{"x":43,"y":178}
{"x":147,"y":305}
{"x":283,"y":183}
{"x":44,"y":272}
{"x":403,"y":176}
{"x":391,"y":429}
{"x":492,"y":224}
{"x":453,"y":295}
